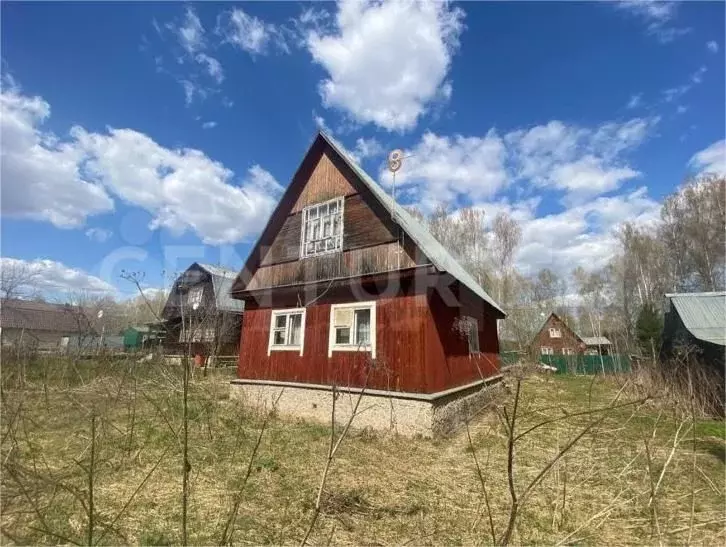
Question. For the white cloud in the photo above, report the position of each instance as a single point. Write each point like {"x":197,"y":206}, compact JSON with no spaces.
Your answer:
{"x":674,"y":93}
{"x":580,"y":162}
{"x":442,"y":169}
{"x":386,"y":62}
{"x":214,"y":67}
{"x":366,"y":148}
{"x":41,"y":176}
{"x":710,"y":160}
{"x":635,"y":101}
{"x":209,"y":125}
{"x":250,"y":33}
{"x":98,"y":234}
{"x":51,"y":277}
{"x":681,"y":109}
{"x":66,"y":181}
{"x":190,"y":33}
{"x":583,"y":235}
{"x":712,"y":46}
{"x":657,"y":15}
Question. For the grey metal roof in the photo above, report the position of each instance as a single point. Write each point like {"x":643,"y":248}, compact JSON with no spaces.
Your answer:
{"x":595,"y":341}
{"x":429,"y":245}
{"x":703,"y":314}
{"x":222,"y":280}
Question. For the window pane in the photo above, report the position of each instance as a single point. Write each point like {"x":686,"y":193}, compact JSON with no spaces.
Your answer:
{"x":295,"y":330}
{"x":342,"y":335}
{"x":326,"y":227}
{"x":313,"y":212}
{"x":278,"y":338}
{"x":333,"y":207}
{"x":363,"y":326}
{"x":280,"y":321}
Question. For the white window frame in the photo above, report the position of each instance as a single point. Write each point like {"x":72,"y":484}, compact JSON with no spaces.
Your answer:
{"x":194,"y":296}
{"x":290,"y":311}
{"x":568,"y":351}
{"x":555,"y":333}
{"x":303,"y":228}
{"x":332,"y":346}
{"x":546,"y":350}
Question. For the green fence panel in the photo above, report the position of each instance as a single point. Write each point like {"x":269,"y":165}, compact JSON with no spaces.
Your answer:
{"x":587,"y":364}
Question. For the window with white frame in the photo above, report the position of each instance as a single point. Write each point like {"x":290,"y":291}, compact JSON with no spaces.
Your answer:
{"x":287,"y":330}
{"x":555,"y":333}
{"x":195,"y":296}
{"x":546,"y":350}
{"x":568,"y":351}
{"x":353,"y":327}
{"x":322,"y":228}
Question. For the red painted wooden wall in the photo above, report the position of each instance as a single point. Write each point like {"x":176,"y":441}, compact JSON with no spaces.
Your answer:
{"x":416,"y":346}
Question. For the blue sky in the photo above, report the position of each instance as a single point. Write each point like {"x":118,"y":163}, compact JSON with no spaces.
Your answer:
{"x":144,"y":136}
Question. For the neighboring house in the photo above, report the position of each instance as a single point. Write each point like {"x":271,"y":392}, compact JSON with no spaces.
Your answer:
{"x":694,"y":326}
{"x":44,"y":326}
{"x":345,"y":288}
{"x":139,"y":337}
{"x":200,"y":310}
{"x":556,"y":338}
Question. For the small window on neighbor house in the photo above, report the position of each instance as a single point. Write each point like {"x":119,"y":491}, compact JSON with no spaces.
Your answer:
{"x":353,"y":327}
{"x":209,"y":334}
{"x":546,"y":350}
{"x":287,"y":330}
{"x":555,"y":333}
{"x":195,"y":296}
{"x":568,"y":351}
{"x":322,"y":228}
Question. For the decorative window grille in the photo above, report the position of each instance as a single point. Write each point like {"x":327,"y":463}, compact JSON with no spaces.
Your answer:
{"x":555,"y":333}
{"x":322,"y":228}
{"x":195,"y":296}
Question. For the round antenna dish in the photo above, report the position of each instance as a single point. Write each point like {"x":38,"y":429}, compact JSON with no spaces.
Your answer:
{"x":395,"y":159}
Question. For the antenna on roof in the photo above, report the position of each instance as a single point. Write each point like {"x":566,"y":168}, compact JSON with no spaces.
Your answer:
{"x":395,"y":161}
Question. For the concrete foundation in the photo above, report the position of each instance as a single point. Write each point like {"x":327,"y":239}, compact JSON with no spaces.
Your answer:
{"x":407,"y":414}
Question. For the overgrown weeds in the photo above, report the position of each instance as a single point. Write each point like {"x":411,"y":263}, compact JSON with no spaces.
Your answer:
{"x":258,"y":475}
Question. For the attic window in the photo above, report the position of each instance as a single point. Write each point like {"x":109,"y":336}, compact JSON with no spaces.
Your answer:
{"x":322,"y":228}
{"x":195,"y":296}
{"x":555,"y":333}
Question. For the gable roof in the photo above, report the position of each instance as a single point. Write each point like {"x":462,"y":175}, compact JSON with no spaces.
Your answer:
{"x":587,"y":340}
{"x":703,"y":314}
{"x":428,"y":244}
{"x":30,"y":315}
{"x":222,"y":280}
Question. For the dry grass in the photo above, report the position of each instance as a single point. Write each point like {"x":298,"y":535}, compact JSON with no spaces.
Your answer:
{"x":381,"y":489}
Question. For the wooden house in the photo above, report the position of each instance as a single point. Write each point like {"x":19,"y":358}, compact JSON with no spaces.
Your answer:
{"x":200,"y":311}
{"x":557,"y":338}
{"x":44,"y":326}
{"x":345,"y":288}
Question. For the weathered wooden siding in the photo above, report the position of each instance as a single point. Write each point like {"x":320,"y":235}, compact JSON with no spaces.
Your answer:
{"x":361,"y":261}
{"x":568,"y":339}
{"x":326,"y":182}
{"x":416,"y":349}
{"x":362,"y":227}
{"x":449,"y":362}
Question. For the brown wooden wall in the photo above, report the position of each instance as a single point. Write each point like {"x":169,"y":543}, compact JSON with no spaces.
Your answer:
{"x":370,"y":237}
{"x":417,"y":349}
{"x":568,"y":340}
